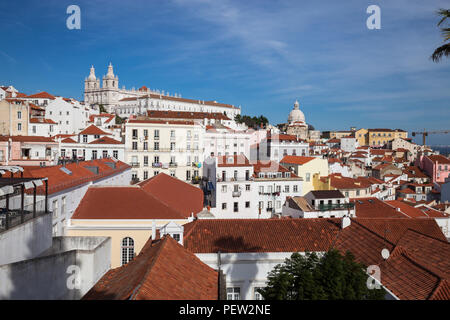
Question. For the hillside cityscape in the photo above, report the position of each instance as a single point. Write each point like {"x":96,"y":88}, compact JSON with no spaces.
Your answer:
{"x":145,"y":194}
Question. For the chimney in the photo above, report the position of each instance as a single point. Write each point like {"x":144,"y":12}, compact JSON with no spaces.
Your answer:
{"x":154,"y":230}
{"x":345,"y":222}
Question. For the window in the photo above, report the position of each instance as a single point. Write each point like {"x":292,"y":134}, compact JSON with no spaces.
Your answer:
{"x":19,"y":127}
{"x":247,"y":187}
{"x":224,"y":188}
{"x":156,"y":135}
{"x":135,"y":133}
{"x":127,"y":250}
{"x":85,"y":138}
{"x":55,"y":209}
{"x":34,"y":129}
{"x":247,"y":204}
{"x":278,"y":204}
{"x":145,"y":133}
{"x":257,"y":295}
{"x":145,"y":161}
{"x":235,"y":207}
{"x":94,"y":154}
{"x":105,"y":153}
{"x":286,"y":188}
{"x":145,"y":145}
{"x":63,"y":205}
{"x":134,"y":145}
{"x":261,"y":189}
{"x":116,"y":154}
{"x":19,"y":114}
{"x":172,"y":133}
{"x":145,"y":175}
{"x":295,"y":187}
{"x":172,"y":146}
{"x":308,"y":176}
{"x":156,"y":146}
{"x":234,"y":293}
{"x":176,"y":237}
{"x":224,"y":206}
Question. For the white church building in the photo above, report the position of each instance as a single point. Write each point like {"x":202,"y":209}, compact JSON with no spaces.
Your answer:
{"x":137,"y":102}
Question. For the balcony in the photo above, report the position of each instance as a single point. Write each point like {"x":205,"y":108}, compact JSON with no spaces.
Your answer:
{"x":336,"y":206}
{"x":236,"y":194}
{"x":275,"y":194}
{"x":135,"y":164}
{"x":157,"y":165}
{"x":173,"y":164}
{"x":15,"y":192}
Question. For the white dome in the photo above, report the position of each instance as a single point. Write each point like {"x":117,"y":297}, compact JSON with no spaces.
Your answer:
{"x":296,"y":115}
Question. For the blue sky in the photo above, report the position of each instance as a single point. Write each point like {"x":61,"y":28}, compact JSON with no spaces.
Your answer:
{"x":261,"y":55}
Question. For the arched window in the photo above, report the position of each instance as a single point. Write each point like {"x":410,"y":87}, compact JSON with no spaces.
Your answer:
{"x":127,"y":250}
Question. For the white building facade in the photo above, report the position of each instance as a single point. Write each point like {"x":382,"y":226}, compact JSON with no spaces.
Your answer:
{"x":172,"y":147}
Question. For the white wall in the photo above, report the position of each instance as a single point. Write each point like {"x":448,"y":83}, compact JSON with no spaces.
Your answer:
{"x":47,"y":277}
{"x":26,"y":240}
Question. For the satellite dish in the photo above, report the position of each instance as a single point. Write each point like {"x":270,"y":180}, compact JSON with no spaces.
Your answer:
{"x":385,"y":254}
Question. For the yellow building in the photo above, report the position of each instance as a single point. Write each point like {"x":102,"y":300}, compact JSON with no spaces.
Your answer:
{"x":361,"y":136}
{"x":306,"y":167}
{"x":14,"y":116}
{"x":380,"y":137}
{"x":130,"y":215}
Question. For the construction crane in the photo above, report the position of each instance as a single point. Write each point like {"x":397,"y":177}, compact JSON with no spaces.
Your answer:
{"x":425,"y":133}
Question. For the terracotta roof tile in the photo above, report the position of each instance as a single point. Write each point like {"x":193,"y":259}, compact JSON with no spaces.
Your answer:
{"x":163,"y":270}
{"x":175,"y":193}
{"x":114,"y":202}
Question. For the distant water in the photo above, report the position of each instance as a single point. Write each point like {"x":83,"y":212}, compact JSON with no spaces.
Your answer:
{"x":444,"y":150}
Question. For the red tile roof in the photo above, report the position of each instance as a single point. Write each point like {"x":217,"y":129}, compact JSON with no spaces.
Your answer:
{"x":68,"y":140}
{"x":439,"y":159}
{"x":179,"y":122}
{"x":94,"y":130}
{"x":123,"y":202}
{"x":46,"y":121}
{"x":175,"y":193}
{"x":163,"y":270}
{"x":301,"y":160}
{"x":237,"y":161}
{"x":260,"y":235}
{"x":42,"y":95}
{"x":105,"y":140}
{"x":58,"y":180}
{"x":374,"y":208}
{"x":28,"y":139}
{"x":270,"y":166}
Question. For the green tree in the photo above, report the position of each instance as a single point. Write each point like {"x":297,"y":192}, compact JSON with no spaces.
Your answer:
{"x":101,"y":108}
{"x":119,"y":120}
{"x":443,"y":50}
{"x":331,"y":277}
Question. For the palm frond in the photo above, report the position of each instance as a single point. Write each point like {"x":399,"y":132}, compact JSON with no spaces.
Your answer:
{"x":440,"y":52}
{"x":445,"y":13}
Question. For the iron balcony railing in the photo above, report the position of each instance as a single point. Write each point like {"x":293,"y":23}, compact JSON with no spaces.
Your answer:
{"x":135,"y":164}
{"x":10,"y":218}
{"x":336,"y":206}
{"x":236,"y":194}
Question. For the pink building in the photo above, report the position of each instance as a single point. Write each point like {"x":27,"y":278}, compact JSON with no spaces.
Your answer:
{"x":436,"y":166}
{"x":28,"y":150}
